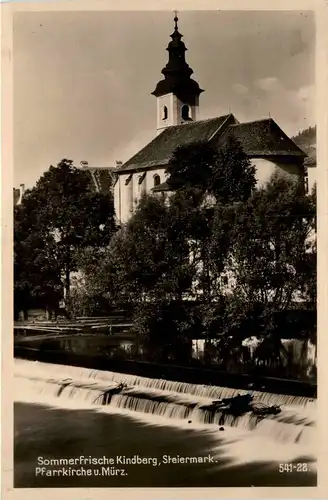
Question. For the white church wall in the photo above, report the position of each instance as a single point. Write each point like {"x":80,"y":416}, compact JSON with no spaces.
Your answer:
{"x":117,"y":198}
{"x":127,"y":196}
{"x":140,"y":181}
{"x":125,"y":192}
{"x":177,"y":105}
{"x":172,"y":114}
{"x":151,"y":175}
{"x":266,"y":168}
{"x":165,"y":100}
{"x":312,"y":177}
{"x":135,"y":190}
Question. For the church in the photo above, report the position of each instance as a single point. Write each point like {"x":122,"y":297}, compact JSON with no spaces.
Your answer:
{"x":177,"y":102}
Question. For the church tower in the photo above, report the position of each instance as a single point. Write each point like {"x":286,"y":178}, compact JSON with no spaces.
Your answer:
{"x":177,"y":95}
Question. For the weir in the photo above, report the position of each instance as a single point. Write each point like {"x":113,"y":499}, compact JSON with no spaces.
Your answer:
{"x":169,"y":400}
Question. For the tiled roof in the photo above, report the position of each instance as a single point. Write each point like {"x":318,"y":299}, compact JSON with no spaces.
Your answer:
{"x":159,"y":151}
{"x":262,"y":138}
{"x":258,"y":138}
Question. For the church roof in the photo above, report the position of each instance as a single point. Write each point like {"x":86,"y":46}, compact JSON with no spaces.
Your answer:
{"x":258,"y":138}
{"x":159,"y":151}
{"x":262,"y":138}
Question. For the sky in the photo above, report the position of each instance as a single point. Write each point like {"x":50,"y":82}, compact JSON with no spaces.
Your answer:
{"x":83,"y":80}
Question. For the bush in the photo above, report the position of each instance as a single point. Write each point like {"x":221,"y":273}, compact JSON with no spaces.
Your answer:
{"x":163,"y":332}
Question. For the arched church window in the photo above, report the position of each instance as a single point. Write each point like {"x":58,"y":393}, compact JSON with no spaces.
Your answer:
{"x":165,"y":113}
{"x":157,"y":180}
{"x":185,"y":112}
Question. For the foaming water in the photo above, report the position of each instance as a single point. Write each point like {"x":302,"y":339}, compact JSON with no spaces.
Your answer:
{"x":287,"y":436}
{"x":204,"y":391}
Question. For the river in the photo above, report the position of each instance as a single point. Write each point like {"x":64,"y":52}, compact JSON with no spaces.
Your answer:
{"x":61,"y":413}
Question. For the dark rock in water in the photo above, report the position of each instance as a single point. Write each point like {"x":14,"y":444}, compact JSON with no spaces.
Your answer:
{"x":261,"y":410}
{"x":221,"y":429}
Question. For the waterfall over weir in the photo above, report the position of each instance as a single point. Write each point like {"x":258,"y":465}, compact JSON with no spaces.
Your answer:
{"x":169,"y":400}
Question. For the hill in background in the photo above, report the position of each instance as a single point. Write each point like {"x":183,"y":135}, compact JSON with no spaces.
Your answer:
{"x":307,"y":141}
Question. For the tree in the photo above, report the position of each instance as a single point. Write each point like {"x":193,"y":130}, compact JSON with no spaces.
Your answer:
{"x":141,"y":261}
{"x":146,"y":270}
{"x":191,"y":166}
{"x":225,"y":173}
{"x":272,"y":256}
{"x":306,"y":136}
{"x":309,"y":269}
{"x":160,"y":259}
{"x":37,"y":276}
{"x":233,"y":176}
{"x":225,"y":269}
{"x":208,"y":183}
{"x":262,"y":268}
{"x":60,"y":215}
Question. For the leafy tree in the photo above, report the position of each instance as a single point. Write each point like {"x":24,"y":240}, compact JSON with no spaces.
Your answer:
{"x":37,"y":276}
{"x":308,"y":271}
{"x":208,"y":182}
{"x":239,"y":259}
{"x":262,"y":266}
{"x":146,"y":269}
{"x":161,"y":258}
{"x":271,"y":262}
{"x":233,"y":175}
{"x":140,"y":263}
{"x":226,"y":173}
{"x":191,"y":166}
{"x":60,"y":215}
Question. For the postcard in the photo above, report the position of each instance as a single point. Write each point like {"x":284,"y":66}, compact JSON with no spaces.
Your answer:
{"x":164,"y":247}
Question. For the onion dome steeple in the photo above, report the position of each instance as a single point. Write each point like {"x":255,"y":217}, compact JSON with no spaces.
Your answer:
{"x":177,"y":72}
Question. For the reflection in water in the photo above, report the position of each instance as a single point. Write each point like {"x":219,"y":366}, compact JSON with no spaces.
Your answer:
{"x":60,"y":414}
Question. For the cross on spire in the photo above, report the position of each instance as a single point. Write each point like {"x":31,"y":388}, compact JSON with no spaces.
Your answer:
{"x":177,"y":71}
{"x":176,"y":19}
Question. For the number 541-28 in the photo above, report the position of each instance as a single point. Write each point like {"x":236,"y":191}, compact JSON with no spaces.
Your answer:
{"x":300,"y":467}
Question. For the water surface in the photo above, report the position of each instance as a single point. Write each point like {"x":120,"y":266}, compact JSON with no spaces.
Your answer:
{"x":59,"y":415}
